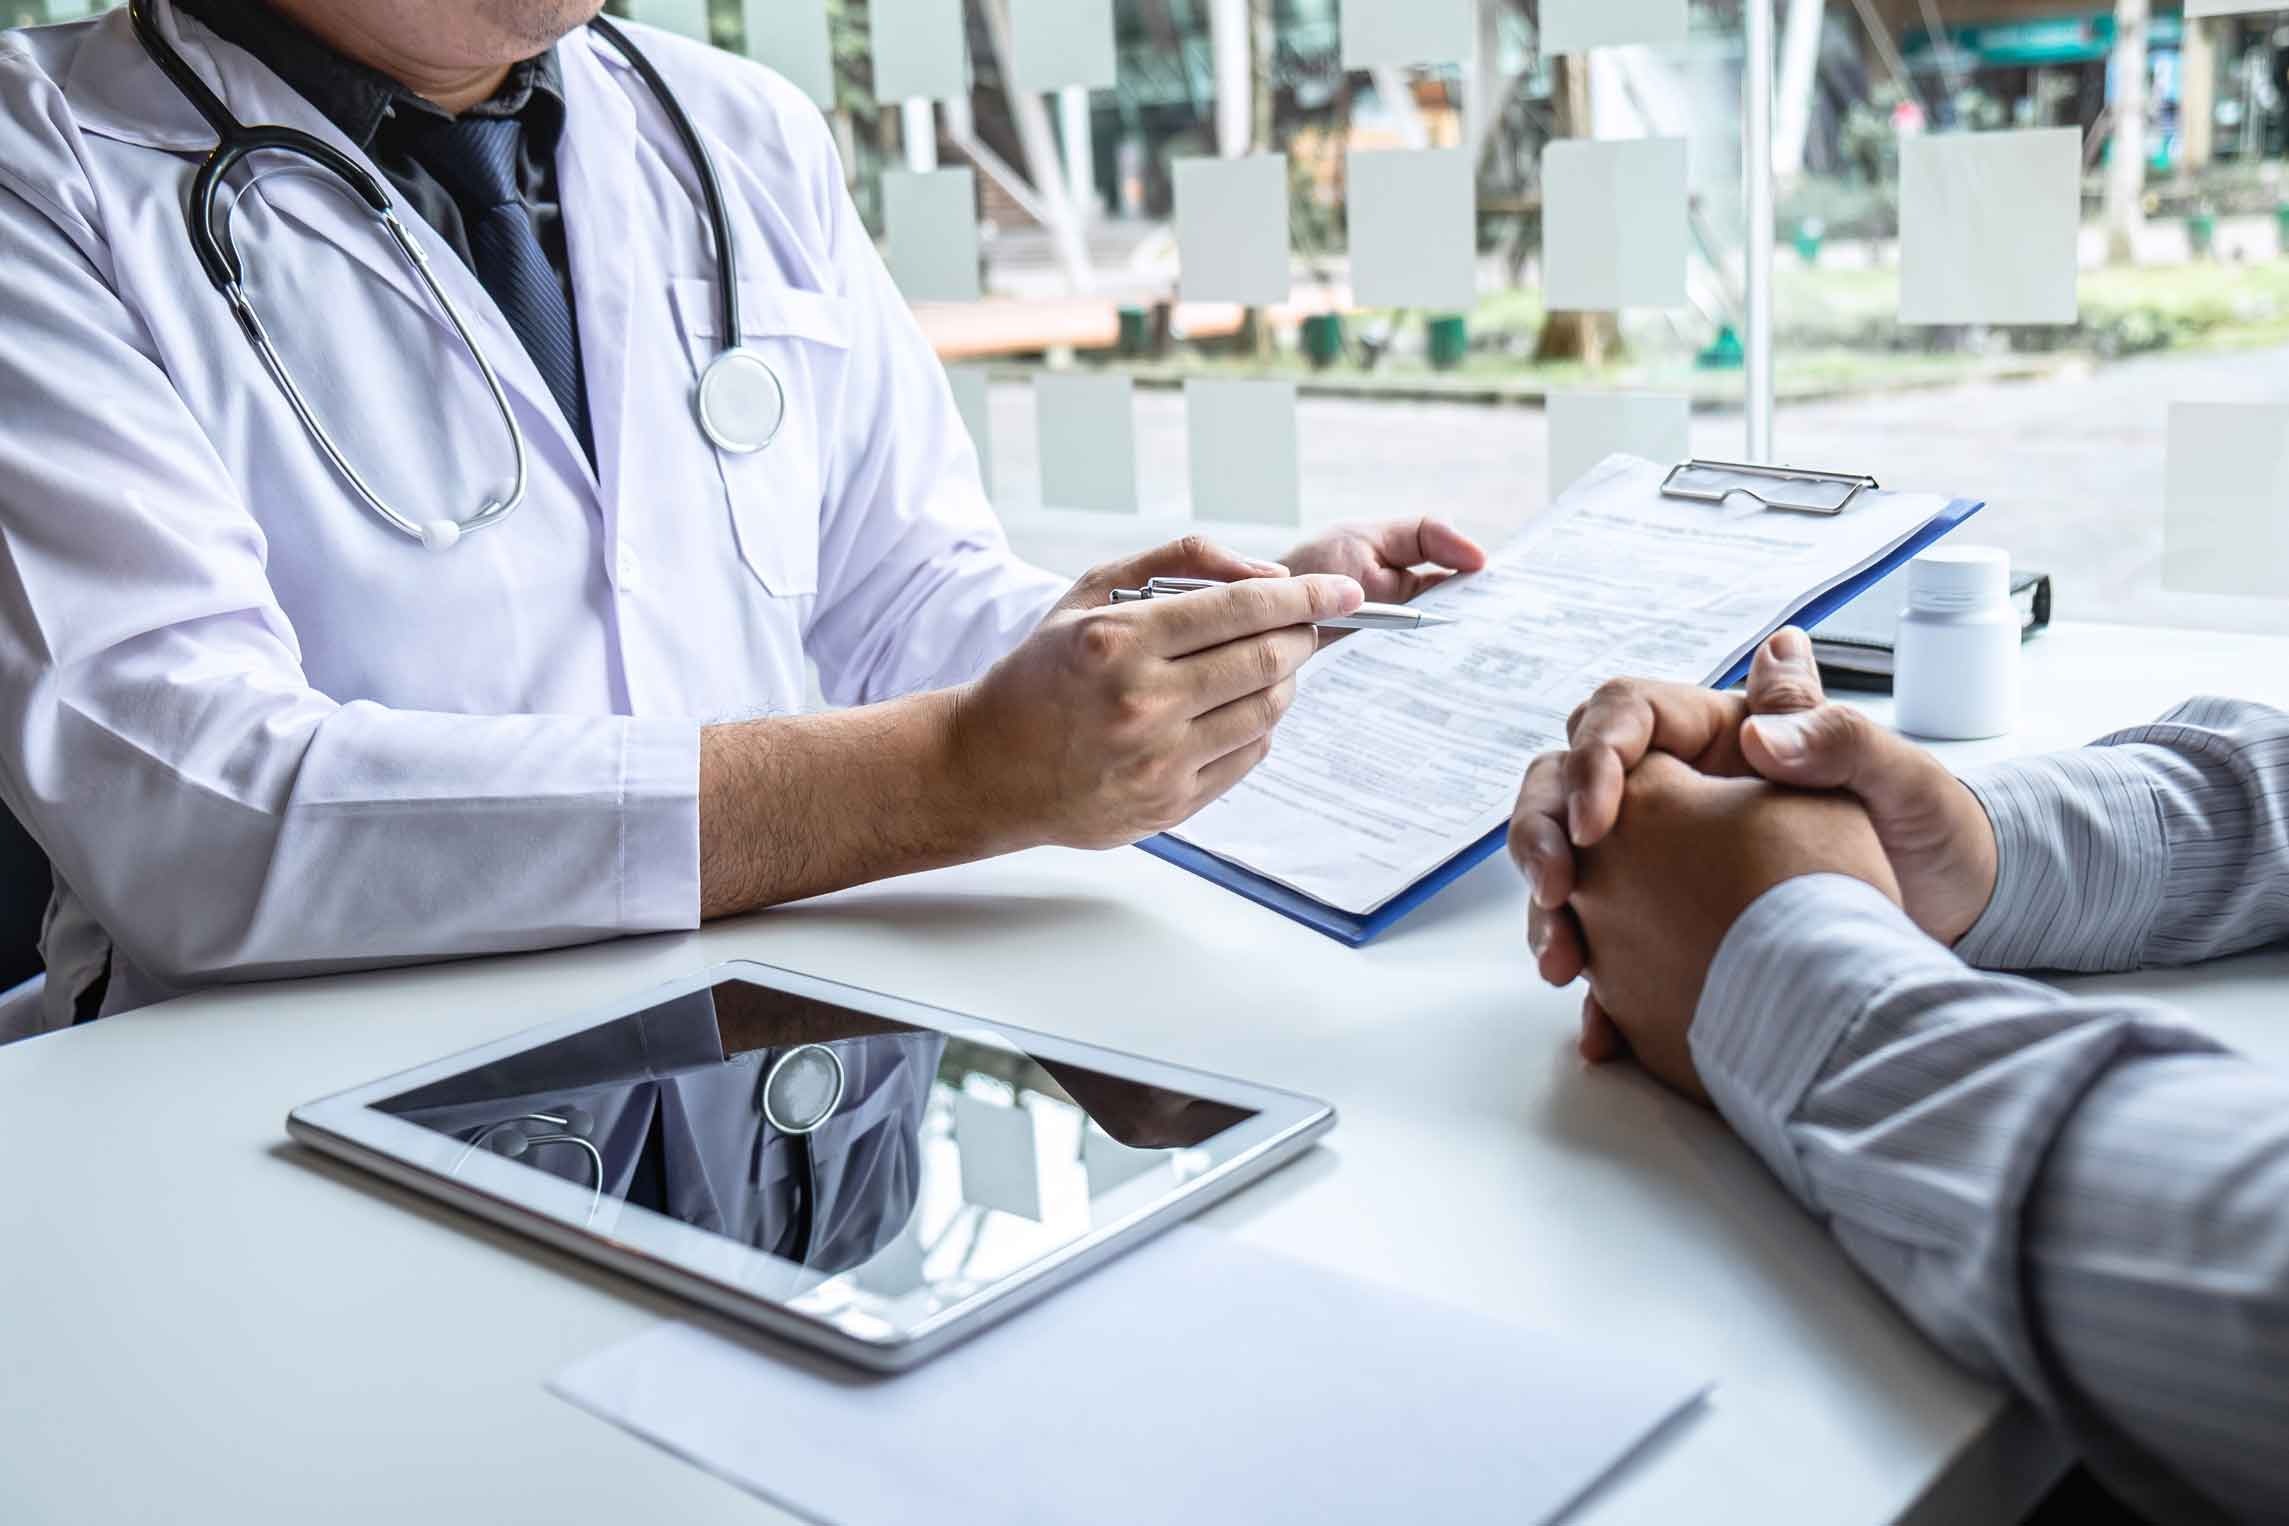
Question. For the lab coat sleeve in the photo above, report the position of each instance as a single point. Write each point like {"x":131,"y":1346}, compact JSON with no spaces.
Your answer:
{"x":221,"y":817}
{"x":918,"y":587}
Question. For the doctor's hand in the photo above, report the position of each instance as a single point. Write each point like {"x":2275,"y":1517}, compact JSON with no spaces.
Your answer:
{"x":1384,"y":558}
{"x":1658,"y":893}
{"x":1115,"y":721}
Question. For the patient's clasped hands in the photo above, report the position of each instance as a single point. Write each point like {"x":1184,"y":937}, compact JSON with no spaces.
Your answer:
{"x":1673,"y":809}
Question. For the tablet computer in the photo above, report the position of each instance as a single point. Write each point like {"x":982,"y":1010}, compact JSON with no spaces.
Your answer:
{"x":872,"y":1177}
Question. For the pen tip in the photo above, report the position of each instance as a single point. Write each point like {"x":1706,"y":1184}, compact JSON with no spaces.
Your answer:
{"x":1428,"y":621}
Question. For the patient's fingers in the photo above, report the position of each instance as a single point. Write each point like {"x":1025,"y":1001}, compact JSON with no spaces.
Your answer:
{"x":1538,"y":841}
{"x":1785,"y":676}
{"x":1556,"y":939}
{"x":1601,"y":1042}
{"x":1615,"y":728}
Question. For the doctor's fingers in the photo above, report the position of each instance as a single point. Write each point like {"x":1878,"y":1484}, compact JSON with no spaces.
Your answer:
{"x":1230,"y":727}
{"x":1238,"y":670}
{"x":1192,"y":556}
{"x":1218,"y":777}
{"x":1213,"y":617}
{"x":1611,"y":732}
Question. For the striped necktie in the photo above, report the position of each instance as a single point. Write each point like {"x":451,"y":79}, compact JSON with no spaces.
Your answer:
{"x":475,"y":159}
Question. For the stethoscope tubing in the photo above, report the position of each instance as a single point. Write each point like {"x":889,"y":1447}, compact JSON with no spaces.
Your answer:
{"x":218,"y":257}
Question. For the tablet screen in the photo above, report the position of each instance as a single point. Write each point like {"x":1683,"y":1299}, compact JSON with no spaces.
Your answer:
{"x":922,"y":1163}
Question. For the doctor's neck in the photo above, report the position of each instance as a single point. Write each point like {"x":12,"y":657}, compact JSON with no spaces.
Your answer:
{"x":452,"y":52}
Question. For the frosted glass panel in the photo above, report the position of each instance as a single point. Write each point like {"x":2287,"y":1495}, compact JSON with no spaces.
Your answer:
{"x":1414,"y":231}
{"x":1232,"y":229}
{"x":1088,"y":442}
{"x":1587,"y":427}
{"x":2225,"y":527}
{"x":686,"y":17}
{"x":791,"y":37}
{"x":1613,"y":224}
{"x":1988,"y":226}
{"x":932,"y":220}
{"x":1575,"y":26}
{"x":1245,"y":467}
{"x":1056,"y":43}
{"x":920,"y":49}
{"x":973,"y":398}
{"x":1400,"y":32}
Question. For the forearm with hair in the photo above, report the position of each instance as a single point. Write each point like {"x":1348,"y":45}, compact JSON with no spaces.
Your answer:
{"x":796,"y":806}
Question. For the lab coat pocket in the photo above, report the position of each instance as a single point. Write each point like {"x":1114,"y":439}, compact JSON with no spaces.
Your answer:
{"x":774,"y":494}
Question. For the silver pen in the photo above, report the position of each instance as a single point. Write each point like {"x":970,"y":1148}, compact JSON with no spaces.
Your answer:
{"x":1367,"y":617}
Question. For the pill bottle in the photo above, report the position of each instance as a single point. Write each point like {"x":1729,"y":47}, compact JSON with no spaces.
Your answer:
{"x":1956,"y":659}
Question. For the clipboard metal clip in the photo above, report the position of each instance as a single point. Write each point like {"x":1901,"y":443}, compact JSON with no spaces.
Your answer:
{"x":1790,"y":489}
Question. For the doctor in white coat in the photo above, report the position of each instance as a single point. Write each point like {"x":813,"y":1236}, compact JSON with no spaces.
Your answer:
{"x":260,"y":731}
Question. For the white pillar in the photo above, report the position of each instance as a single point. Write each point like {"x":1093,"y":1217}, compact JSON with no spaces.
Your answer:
{"x":1235,"y":85}
{"x":1792,"y":110}
{"x":1756,"y":174}
{"x":1080,"y":152}
{"x":2126,"y":153}
{"x":919,"y":120}
{"x":1399,"y":102}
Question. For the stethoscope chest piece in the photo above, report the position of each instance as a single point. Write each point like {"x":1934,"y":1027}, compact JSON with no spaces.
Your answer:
{"x":742,"y":404}
{"x":803,"y":1089}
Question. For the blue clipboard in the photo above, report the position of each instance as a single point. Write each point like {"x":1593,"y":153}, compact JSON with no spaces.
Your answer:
{"x":1356,"y":931}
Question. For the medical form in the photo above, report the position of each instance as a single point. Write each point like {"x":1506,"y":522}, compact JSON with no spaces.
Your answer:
{"x":1403,"y":750}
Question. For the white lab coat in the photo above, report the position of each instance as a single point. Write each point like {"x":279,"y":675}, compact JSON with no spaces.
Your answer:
{"x":261,"y":733}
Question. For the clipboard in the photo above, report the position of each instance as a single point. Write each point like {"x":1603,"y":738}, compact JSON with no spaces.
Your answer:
{"x":1356,"y":930}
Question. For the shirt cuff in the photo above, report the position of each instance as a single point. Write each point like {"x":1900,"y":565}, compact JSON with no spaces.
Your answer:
{"x":1792,"y":976}
{"x":2081,"y":861}
{"x":659,"y":826}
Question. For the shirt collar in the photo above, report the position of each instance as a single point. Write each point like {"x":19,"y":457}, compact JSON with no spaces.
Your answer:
{"x":359,"y":99}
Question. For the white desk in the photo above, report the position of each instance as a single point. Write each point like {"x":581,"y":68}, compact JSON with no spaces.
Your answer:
{"x":203,"y":1323}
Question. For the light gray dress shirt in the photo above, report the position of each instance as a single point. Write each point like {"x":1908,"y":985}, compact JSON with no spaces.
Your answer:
{"x":2086,"y":1197}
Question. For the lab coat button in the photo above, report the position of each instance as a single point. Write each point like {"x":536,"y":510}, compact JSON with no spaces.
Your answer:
{"x":630,"y":573}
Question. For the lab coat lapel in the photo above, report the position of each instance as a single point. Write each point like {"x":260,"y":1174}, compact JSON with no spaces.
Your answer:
{"x":118,"y":92}
{"x":607,"y":243}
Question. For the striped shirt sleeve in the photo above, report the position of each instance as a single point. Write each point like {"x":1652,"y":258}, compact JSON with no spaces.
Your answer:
{"x":2088,"y":1199}
{"x":2165,"y":844}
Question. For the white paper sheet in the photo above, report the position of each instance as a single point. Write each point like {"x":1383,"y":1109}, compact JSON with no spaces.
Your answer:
{"x":1195,"y":1379}
{"x":1402,"y":750}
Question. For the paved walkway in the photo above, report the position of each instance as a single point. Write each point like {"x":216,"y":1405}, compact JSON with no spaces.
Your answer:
{"x":2072,"y":468}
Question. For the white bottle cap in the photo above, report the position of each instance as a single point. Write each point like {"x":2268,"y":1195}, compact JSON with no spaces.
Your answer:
{"x":1960,"y":577}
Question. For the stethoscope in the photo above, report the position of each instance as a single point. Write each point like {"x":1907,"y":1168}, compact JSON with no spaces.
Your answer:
{"x":740,"y":401}
{"x":800,"y":1092}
